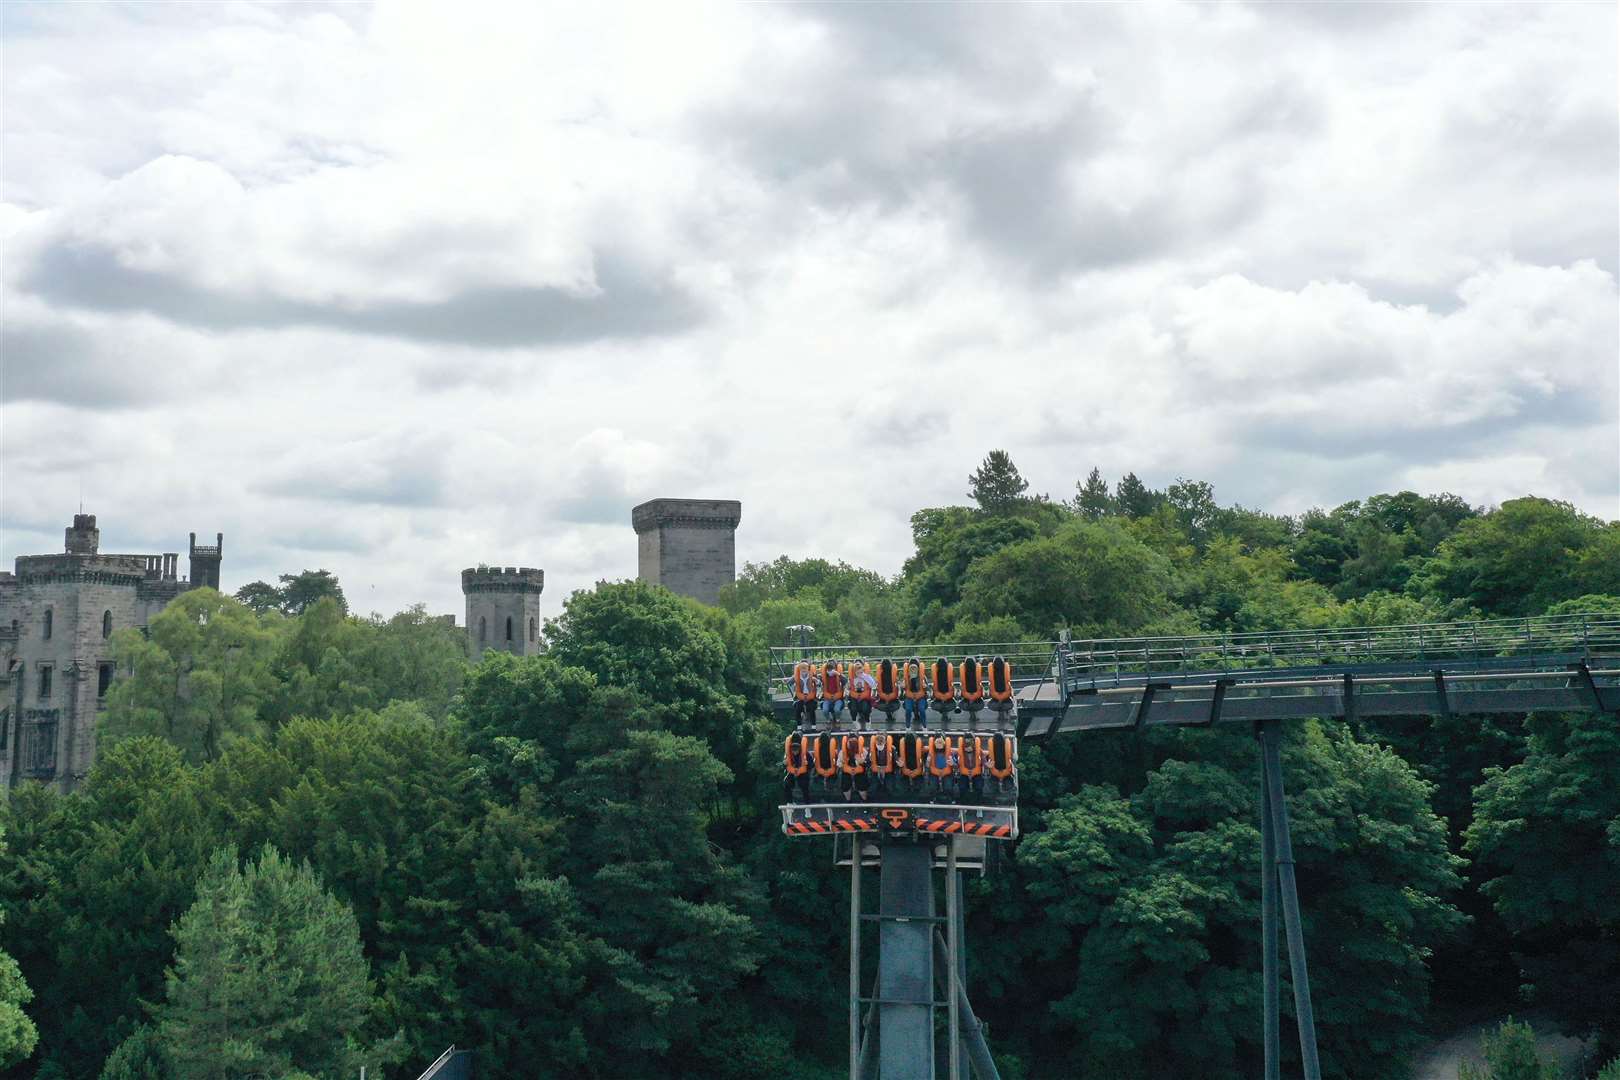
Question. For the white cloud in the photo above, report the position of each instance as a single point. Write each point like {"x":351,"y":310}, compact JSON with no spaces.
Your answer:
{"x":394,"y":290}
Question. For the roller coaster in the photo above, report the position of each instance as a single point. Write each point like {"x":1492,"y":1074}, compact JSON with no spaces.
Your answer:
{"x":910,"y":800}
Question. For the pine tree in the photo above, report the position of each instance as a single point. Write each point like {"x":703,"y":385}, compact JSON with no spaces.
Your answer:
{"x":268,"y":976}
{"x":1135,"y":499}
{"x":1091,"y":498}
{"x":996,"y":485}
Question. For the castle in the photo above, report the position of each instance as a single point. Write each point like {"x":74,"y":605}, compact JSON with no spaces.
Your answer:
{"x":57,"y":618}
{"x":58,"y":614}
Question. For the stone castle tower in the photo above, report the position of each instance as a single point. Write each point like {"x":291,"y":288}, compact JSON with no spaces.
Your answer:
{"x":689,"y":546}
{"x":503,"y":608}
{"x":58,"y":615}
{"x":205,"y":562}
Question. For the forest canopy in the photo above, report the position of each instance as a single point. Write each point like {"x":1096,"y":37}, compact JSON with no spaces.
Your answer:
{"x":571,"y":861}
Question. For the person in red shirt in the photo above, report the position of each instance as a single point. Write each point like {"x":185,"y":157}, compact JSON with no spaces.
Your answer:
{"x":832,"y":692}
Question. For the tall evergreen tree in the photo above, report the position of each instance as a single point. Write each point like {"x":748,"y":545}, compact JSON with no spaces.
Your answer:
{"x":996,"y":485}
{"x":1134,"y":498}
{"x":268,"y":977}
{"x":1091,"y":498}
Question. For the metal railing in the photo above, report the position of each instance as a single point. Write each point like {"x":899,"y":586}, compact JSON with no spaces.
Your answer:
{"x":1554,"y":639}
{"x":1557,"y":639}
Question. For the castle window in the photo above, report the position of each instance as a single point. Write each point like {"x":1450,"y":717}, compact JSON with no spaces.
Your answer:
{"x":45,"y":682}
{"x":534,"y":629}
{"x":482,"y":629}
{"x":48,"y":620}
{"x":104,"y":682}
{"x":509,"y":628}
{"x":106,"y":624}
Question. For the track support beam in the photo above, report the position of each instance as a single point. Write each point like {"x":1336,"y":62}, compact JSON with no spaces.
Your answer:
{"x":1282,"y":857}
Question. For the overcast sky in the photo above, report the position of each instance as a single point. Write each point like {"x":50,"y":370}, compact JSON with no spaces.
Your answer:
{"x":395,"y":290}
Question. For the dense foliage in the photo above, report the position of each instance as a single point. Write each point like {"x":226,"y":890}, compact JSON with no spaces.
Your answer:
{"x":569,"y":861}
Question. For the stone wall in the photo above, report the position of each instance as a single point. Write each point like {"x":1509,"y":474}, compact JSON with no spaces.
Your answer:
{"x":689,"y":546}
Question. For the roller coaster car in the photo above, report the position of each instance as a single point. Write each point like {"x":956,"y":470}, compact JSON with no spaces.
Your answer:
{"x":869,"y":782}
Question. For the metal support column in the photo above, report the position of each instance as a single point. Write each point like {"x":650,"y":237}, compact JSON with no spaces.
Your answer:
{"x":953,"y":943}
{"x":978,"y":1051}
{"x":1271,"y":753}
{"x":906,"y":963}
{"x":855,"y":962}
{"x":1271,"y":994}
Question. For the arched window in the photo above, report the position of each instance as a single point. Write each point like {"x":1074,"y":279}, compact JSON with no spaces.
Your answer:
{"x":47,"y":624}
{"x":534,"y":629}
{"x":509,"y":628}
{"x":482,"y":629}
{"x":106,"y":624}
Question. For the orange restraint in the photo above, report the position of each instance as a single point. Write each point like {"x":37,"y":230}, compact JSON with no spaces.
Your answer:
{"x":913,"y":756}
{"x":853,"y":745}
{"x":826,"y":757}
{"x":861,"y":691}
{"x":1001,"y":757}
{"x":800,"y":670}
{"x":882,"y":750}
{"x":1000,"y":680}
{"x":972,"y":682}
{"x":971,"y":763}
{"x":788,"y":756}
{"x":912,"y":682}
{"x":832,"y":682}
{"x":941,"y":748}
{"x":944,"y":676}
{"x":888,"y":683}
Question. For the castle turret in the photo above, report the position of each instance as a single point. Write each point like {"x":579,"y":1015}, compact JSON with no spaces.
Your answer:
{"x":205,"y":562}
{"x":503,"y":608}
{"x":83,"y":538}
{"x":689,"y":546}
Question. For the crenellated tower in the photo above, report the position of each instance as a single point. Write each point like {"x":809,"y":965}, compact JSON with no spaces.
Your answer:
{"x":689,"y":546}
{"x":205,"y":562}
{"x":503,"y":608}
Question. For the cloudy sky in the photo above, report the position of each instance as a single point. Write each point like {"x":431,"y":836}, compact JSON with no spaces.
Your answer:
{"x":396,"y":289}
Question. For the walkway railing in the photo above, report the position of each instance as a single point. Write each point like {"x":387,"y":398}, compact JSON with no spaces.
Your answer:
{"x":1550,"y":639}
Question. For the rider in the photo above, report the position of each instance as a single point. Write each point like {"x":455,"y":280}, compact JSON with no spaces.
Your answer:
{"x":804,"y":695}
{"x":832,"y":692}
{"x":914,"y":688}
{"x":862,"y":688}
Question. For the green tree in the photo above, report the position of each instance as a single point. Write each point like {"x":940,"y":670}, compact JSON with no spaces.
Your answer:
{"x":1193,"y":502}
{"x":1546,"y":832}
{"x":94,"y":881}
{"x":1510,"y":1054}
{"x":651,"y":642}
{"x":449,"y":861}
{"x":948,"y":540}
{"x":260,"y":597}
{"x":295,"y":595}
{"x":1094,"y":577}
{"x":1155,"y":971}
{"x":1524,"y":556}
{"x":18,"y":1035}
{"x":1091,"y":498}
{"x":1134,"y":498}
{"x":268,"y":977}
{"x":300,"y":591}
{"x":995,"y":485}
{"x":138,"y":1057}
{"x":196,"y":679}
